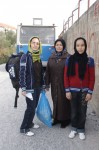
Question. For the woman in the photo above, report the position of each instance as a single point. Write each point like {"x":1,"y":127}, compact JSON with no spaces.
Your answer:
{"x":55,"y":77}
{"x":31,"y":82}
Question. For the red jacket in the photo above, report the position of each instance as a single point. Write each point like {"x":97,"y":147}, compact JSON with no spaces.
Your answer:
{"x":75,"y":84}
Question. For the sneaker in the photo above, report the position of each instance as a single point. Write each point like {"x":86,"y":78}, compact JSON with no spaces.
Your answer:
{"x":82,"y":136}
{"x":35,"y":126}
{"x":72,"y":134}
{"x":24,"y":130}
{"x":29,"y":133}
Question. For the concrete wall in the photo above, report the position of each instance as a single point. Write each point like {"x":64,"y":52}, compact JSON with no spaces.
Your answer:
{"x":88,"y":27}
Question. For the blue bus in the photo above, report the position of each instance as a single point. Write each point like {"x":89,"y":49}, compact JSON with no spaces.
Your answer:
{"x":46,"y":35}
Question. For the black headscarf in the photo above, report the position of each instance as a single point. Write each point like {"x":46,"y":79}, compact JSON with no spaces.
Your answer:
{"x":58,"y":54}
{"x":82,"y":60}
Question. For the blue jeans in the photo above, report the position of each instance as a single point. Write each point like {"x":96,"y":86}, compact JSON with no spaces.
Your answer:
{"x":30,"y":110}
{"x":78,"y":111}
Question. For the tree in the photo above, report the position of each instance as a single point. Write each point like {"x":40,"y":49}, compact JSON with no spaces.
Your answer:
{"x":11,"y":37}
{"x":7,"y":42}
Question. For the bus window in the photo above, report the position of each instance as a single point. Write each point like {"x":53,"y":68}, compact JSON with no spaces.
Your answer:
{"x":46,"y":34}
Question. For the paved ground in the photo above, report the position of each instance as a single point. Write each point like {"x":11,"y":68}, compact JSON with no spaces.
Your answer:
{"x":45,"y":138}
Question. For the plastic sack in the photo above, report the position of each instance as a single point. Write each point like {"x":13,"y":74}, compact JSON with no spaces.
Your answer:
{"x":43,"y":110}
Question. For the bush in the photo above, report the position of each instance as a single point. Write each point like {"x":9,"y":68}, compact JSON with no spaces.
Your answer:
{"x":3,"y":59}
{"x":7,"y":45}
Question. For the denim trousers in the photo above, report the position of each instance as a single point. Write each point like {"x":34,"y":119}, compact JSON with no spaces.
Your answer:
{"x":78,"y":111}
{"x":30,"y":110}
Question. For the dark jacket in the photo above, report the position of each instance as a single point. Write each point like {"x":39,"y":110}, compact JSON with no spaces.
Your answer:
{"x":31,"y":74}
{"x":55,"y":77}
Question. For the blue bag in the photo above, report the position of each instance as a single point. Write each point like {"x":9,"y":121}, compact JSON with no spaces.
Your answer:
{"x":43,"y":110}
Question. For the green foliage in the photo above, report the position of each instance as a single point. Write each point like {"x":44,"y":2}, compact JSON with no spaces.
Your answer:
{"x":7,"y":44}
{"x":11,"y":37}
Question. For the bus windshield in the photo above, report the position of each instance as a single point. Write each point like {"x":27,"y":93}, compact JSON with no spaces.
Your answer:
{"x":45,"y":33}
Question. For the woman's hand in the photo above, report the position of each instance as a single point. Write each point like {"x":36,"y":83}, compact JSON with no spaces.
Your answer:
{"x":46,"y":88}
{"x":23,"y":93}
{"x":88,"y":97}
{"x":68,"y":95}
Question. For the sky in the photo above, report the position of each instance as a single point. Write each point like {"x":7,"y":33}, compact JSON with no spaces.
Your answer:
{"x":14,"y":12}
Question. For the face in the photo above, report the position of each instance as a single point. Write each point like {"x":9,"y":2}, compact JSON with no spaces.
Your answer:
{"x":35,"y":43}
{"x":59,"y":46}
{"x":80,"y":46}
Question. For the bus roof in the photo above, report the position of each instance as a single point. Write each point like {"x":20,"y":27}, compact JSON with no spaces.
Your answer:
{"x":43,"y":26}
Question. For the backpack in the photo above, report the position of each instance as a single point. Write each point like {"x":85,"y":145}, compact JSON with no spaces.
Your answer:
{"x":12,"y":67}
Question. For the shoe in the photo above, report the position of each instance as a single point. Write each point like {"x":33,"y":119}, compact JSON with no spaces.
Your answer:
{"x":65,"y":123}
{"x":72,"y":134}
{"x":55,"y":122}
{"x":24,"y":130}
{"x":35,"y":126}
{"x":82,"y":136}
{"x":29,"y":133}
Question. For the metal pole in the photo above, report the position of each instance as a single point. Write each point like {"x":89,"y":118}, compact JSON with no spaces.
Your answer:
{"x":79,"y":9}
{"x":72,"y":17}
{"x":63,"y":25}
{"x":66,"y":25}
{"x":88,"y":25}
{"x":68,"y":21}
{"x":73,"y":14}
{"x":78,"y":13}
{"x":88,"y":4}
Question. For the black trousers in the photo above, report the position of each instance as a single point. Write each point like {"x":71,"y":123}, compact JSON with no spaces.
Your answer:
{"x":78,"y":111}
{"x":30,"y":110}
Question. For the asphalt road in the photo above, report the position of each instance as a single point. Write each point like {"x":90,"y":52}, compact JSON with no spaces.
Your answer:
{"x":45,"y":138}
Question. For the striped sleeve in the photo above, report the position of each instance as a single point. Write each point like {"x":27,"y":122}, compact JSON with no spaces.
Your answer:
{"x":22,"y":73}
{"x":91,"y":75}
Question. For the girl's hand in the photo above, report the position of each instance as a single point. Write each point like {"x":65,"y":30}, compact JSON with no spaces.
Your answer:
{"x":68,"y":95}
{"x":88,"y":97}
{"x":23,"y":93}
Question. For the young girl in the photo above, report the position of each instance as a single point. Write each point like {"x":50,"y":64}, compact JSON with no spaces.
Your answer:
{"x":79,"y":79}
